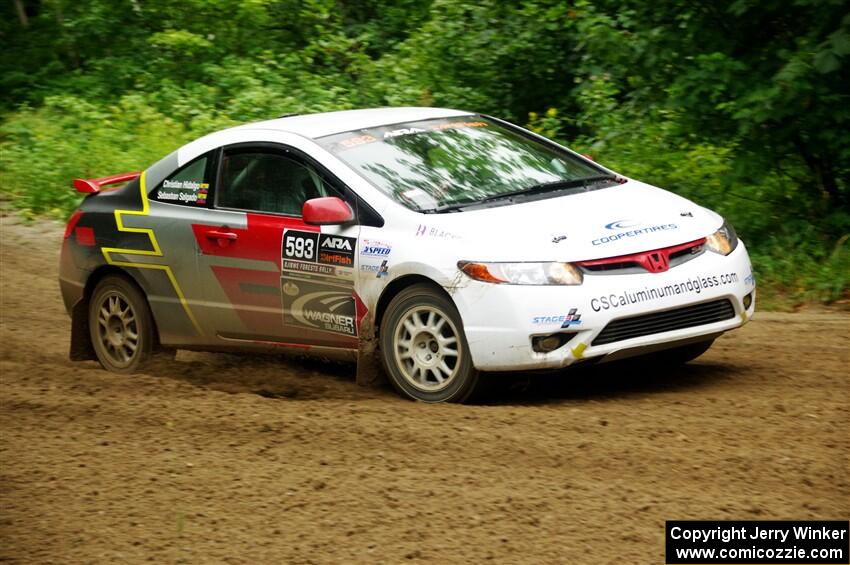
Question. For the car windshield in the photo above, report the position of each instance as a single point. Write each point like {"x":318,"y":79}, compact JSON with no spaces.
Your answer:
{"x":448,"y":163}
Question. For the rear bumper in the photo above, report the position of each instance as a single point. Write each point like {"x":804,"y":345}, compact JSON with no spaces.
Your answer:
{"x":500,"y":321}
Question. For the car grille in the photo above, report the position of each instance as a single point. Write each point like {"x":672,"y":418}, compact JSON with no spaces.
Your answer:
{"x":631,"y":264}
{"x":669,"y":320}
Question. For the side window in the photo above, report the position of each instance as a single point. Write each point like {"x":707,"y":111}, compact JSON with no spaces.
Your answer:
{"x":268,"y":181}
{"x":188,"y":185}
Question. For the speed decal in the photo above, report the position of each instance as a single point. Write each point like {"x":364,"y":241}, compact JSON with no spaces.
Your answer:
{"x":375,"y":248}
{"x":317,"y":281}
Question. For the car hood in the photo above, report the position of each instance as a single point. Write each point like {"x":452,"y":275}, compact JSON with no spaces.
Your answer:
{"x":609,"y":222}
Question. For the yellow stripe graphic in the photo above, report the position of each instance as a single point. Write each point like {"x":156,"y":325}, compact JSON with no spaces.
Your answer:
{"x":155,"y":252}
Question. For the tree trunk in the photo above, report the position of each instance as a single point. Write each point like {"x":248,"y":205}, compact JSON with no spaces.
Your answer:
{"x":821,"y":168}
{"x":22,"y":13}
{"x":69,"y":43}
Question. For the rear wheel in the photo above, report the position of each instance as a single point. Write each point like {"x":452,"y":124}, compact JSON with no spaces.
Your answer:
{"x":424,"y":349}
{"x":120,"y":325}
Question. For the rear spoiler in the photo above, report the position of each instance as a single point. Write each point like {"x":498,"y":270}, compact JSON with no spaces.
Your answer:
{"x":91,"y":186}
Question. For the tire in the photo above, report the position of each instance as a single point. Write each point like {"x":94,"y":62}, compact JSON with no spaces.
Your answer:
{"x":120,"y":326}
{"x":423,"y":347}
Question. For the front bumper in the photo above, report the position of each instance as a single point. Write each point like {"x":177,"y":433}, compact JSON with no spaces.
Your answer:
{"x":501,"y":320}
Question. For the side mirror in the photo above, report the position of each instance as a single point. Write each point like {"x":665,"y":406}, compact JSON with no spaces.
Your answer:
{"x":326,"y":211}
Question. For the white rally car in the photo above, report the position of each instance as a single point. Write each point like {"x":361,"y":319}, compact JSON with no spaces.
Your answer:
{"x":443,"y":243}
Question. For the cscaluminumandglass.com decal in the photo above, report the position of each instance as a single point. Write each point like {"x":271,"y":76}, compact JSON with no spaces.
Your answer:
{"x":317,"y":281}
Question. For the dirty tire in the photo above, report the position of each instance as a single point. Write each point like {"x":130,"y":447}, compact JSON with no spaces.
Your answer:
{"x":120,"y":325}
{"x":423,"y":347}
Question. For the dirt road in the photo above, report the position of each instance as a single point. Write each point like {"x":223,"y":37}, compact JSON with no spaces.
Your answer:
{"x":227,"y":459}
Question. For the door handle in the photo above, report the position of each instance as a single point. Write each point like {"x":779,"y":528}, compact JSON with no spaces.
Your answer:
{"x":224,"y":238}
{"x":229,"y":235}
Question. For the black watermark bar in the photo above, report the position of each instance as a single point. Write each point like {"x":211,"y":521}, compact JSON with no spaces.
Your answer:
{"x":744,"y":542}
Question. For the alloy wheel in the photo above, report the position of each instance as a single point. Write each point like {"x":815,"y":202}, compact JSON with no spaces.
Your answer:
{"x":427,"y":348}
{"x":117,"y":329}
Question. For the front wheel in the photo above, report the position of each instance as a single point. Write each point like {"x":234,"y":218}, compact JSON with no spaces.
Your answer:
{"x":423,"y":347}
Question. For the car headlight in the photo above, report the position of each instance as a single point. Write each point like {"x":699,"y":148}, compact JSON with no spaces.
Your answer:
{"x":550,"y":273}
{"x":724,"y":240}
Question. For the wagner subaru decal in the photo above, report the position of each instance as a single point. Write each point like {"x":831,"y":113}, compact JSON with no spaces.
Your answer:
{"x":319,"y":304}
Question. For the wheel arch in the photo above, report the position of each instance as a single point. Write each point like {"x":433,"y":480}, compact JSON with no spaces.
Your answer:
{"x":101,"y":273}
{"x":396,"y":286}
{"x":81,"y":347}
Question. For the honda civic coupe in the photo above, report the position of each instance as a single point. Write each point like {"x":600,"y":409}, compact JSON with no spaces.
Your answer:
{"x":432,"y":245}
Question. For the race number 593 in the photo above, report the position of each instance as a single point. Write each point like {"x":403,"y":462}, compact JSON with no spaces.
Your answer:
{"x":300,"y":245}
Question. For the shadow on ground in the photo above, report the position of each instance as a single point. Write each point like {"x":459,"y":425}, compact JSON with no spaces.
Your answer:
{"x":305,"y":378}
{"x":269,"y":375}
{"x":598,"y":382}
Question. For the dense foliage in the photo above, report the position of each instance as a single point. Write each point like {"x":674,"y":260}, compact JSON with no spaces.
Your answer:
{"x":741,"y":105}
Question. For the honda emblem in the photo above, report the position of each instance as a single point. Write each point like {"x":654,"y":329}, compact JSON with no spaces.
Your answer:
{"x":658,"y":262}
